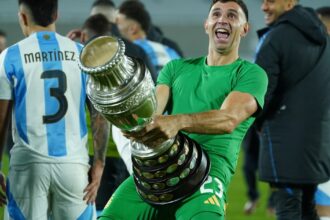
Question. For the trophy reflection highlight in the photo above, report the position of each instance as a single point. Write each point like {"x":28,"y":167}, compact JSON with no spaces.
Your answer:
{"x":121,"y":88}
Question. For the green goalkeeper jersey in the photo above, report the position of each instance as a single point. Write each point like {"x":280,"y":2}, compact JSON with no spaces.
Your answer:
{"x":197,"y":87}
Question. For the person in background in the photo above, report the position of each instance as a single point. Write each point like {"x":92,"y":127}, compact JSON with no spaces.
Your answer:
{"x":324,"y":14}
{"x":3,"y":40}
{"x":322,"y":195}
{"x":44,"y":90}
{"x":108,"y":9}
{"x":133,"y":23}
{"x":294,"y":125}
{"x":8,"y":140}
{"x":217,"y":114}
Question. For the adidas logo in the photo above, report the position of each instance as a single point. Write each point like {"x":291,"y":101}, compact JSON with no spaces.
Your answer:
{"x":213,"y":200}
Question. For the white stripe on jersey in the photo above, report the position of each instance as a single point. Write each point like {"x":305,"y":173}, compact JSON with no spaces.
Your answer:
{"x":34,"y":96}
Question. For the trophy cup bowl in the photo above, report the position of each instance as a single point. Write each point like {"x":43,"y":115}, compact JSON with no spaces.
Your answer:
{"x":121,"y":88}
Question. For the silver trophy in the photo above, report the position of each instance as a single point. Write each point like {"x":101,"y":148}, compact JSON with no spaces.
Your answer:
{"x":121,"y":88}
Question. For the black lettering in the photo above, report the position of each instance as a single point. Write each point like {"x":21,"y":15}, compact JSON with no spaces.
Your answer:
{"x":38,"y":57}
{"x":66,"y":55}
{"x":28,"y":58}
{"x":50,"y":54}
{"x":60,"y":55}
{"x":44,"y":56}
{"x":72,"y":56}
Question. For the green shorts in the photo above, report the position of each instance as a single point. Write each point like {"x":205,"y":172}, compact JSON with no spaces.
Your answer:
{"x":126,"y":204}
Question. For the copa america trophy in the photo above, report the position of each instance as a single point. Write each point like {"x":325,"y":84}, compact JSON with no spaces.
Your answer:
{"x":121,"y":88}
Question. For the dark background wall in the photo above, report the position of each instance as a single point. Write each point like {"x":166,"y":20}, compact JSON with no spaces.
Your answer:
{"x":181,"y":20}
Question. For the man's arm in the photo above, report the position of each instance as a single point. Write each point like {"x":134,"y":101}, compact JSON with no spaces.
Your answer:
{"x":162,"y":96}
{"x":100,"y":132}
{"x":236,"y":108}
{"x":5,"y":110}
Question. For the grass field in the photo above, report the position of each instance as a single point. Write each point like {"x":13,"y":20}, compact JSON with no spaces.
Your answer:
{"x":236,"y":197}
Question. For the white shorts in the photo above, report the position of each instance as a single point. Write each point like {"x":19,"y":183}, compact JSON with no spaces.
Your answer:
{"x":322,"y":195}
{"x":37,"y":191}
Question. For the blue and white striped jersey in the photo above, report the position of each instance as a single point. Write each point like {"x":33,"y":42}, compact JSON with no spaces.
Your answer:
{"x":41,"y":75}
{"x":158,"y":53}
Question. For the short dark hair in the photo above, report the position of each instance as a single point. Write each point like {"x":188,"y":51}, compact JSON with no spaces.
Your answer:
{"x":2,"y":33}
{"x":108,"y":3}
{"x":324,"y":11}
{"x":43,"y":12}
{"x":98,"y":24}
{"x":135,"y":10}
{"x":239,"y":2}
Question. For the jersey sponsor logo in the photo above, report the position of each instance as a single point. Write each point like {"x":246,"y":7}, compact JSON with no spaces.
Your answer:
{"x":49,"y":56}
{"x":213,"y":200}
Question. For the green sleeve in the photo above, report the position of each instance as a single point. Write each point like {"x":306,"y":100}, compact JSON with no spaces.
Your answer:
{"x":166,"y":74}
{"x":253,"y":80}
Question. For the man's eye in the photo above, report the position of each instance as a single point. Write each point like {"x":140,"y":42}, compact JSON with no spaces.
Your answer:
{"x":216,"y":14}
{"x":231,"y":16}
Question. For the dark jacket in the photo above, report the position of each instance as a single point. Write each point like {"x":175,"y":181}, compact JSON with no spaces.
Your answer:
{"x":295,"y":122}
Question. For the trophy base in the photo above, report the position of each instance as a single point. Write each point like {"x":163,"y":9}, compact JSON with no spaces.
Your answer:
{"x":173,"y":175}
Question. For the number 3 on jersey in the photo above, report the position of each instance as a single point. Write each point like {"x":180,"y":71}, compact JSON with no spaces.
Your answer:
{"x":212,"y":185}
{"x":58,"y":93}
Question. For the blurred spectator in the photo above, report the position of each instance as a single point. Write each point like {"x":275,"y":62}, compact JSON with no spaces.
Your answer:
{"x":322,"y":195}
{"x":134,"y":23}
{"x":295,"y":122}
{"x":156,"y":34}
{"x":106,"y":8}
{"x":3,"y":40}
{"x":324,"y":14}
{"x":9,"y":139}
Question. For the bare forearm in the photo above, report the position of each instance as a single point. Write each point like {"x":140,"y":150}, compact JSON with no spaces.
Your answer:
{"x":211,"y":122}
{"x":5,"y":107}
{"x":162,"y":94}
{"x":100,"y":131}
{"x":236,"y":108}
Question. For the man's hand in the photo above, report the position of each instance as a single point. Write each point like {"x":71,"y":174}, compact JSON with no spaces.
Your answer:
{"x":3,"y":199}
{"x":162,"y":128}
{"x":95,"y":174}
{"x":74,"y":34}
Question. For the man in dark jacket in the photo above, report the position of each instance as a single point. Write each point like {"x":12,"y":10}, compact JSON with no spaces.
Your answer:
{"x":295,"y":122}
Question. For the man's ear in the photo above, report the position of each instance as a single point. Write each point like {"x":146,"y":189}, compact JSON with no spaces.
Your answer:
{"x":206,"y":25}
{"x":23,"y":18}
{"x":245,"y":30}
{"x":55,"y":16}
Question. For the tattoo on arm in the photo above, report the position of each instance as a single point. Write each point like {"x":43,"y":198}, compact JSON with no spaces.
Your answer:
{"x":100,"y":132}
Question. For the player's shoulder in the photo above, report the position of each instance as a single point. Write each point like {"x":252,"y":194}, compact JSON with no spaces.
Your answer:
{"x":250,"y":66}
